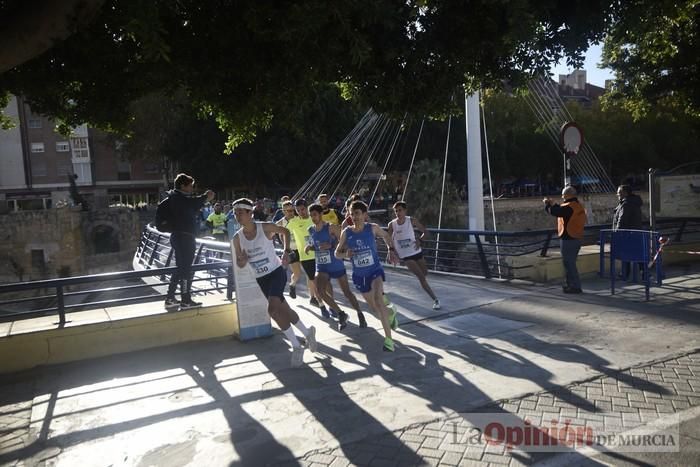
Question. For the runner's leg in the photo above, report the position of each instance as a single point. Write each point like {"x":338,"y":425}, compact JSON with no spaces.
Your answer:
{"x":415,"y":268}
{"x":376,"y":302}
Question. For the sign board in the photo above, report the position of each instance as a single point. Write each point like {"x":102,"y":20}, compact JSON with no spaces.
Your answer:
{"x":678,"y":195}
{"x":251,"y":304}
{"x":570,"y":138}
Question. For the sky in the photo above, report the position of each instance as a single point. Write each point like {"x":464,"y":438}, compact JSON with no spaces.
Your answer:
{"x":594,"y":75}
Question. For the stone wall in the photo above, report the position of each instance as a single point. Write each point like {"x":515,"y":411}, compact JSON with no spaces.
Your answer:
{"x":52,"y":243}
{"x":515,"y":214}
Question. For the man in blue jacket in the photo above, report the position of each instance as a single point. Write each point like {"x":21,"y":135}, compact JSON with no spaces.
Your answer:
{"x":184,"y":208}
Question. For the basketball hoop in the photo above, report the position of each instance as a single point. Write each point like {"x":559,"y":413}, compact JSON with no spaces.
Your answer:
{"x":570,"y":138}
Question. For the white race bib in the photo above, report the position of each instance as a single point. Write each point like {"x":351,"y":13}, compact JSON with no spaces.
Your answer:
{"x":261,"y":267}
{"x":363,"y":259}
{"x":323,"y":257}
{"x":405,"y":244}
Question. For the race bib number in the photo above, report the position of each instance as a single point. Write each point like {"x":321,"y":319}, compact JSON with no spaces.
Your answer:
{"x":363,"y":259}
{"x":405,"y":244}
{"x":323,"y":257}
{"x":261,"y":267}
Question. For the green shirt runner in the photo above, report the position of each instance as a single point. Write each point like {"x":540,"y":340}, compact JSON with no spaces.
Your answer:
{"x":300,"y":231}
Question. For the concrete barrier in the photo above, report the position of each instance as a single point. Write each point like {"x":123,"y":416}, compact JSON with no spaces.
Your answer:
{"x":84,"y":338}
{"x":548,"y":269}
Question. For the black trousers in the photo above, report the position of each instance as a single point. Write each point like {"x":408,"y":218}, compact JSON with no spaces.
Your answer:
{"x":184,"y":245}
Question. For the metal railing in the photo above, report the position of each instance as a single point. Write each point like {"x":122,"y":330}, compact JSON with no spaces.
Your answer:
{"x":154,"y":252}
{"x":153,"y":263}
{"x":491,"y":254}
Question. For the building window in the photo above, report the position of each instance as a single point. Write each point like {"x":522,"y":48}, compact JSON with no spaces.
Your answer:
{"x":62,"y":146}
{"x":34,"y":123}
{"x":37,"y":147}
{"x":80,"y":148}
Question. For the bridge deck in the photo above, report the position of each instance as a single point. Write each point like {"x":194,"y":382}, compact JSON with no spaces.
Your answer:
{"x":220,"y":401}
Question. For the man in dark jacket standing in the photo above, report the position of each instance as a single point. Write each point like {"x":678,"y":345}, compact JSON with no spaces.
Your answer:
{"x":184,"y":208}
{"x":628,"y":213}
{"x":571,"y":219}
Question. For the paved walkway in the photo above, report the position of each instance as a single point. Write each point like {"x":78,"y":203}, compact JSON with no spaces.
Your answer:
{"x":622,"y":401}
{"x":512,"y":349}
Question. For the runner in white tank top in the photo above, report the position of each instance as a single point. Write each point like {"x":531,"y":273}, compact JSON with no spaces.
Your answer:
{"x":404,"y":238}
{"x":408,"y":247}
{"x":253,"y":245}
{"x":260,"y":251}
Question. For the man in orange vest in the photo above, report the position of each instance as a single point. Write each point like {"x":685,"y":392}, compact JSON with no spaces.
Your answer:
{"x":571,"y":219}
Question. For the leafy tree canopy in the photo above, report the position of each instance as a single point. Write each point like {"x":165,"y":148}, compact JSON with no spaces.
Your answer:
{"x":652,"y":47}
{"x":245,"y":62}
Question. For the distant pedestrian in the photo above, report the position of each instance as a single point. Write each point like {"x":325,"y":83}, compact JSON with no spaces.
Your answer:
{"x":330,"y":215}
{"x":628,"y":213}
{"x":184,"y":208}
{"x":279,"y":214}
{"x":217,"y":223}
{"x":571,"y":220}
{"x":259,"y":213}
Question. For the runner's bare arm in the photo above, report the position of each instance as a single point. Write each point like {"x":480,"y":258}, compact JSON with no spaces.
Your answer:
{"x":379,"y":232}
{"x":341,"y":250}
{"x":272,"y":229}
{"x":421,"y":228}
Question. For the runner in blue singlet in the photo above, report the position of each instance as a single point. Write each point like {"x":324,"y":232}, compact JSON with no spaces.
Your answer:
{"x":358,"y":244}
{"x":324,"y":238}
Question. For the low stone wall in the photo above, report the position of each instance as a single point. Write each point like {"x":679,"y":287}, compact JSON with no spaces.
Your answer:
{"x":516,"y":214}
{"x":44,"y":244}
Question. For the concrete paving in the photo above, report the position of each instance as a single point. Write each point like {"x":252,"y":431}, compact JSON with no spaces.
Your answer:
{"x":221,"y":402}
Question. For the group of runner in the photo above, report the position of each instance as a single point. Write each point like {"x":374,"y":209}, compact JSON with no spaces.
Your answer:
{"x":317,"y":240}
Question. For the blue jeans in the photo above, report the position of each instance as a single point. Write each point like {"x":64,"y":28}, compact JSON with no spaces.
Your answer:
{"x":569,"y":252}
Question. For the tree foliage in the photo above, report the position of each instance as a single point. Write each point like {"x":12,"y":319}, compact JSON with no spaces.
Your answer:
{"x":280,"y":158}
{"x":424,"y":195}
{"x":652,"y":46}
{"x":247,"y":62}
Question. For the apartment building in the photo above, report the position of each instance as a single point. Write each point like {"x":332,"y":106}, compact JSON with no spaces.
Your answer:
{"x":574,"y":87}
{"x":36,"y":163}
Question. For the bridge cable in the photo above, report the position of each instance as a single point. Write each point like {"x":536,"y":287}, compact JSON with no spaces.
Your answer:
{"x":388,"y":157}
{"x":410,"y":168}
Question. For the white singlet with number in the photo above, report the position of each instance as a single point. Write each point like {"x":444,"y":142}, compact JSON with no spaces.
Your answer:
{"x":261,"y":252}
{"x":404,"y":238}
